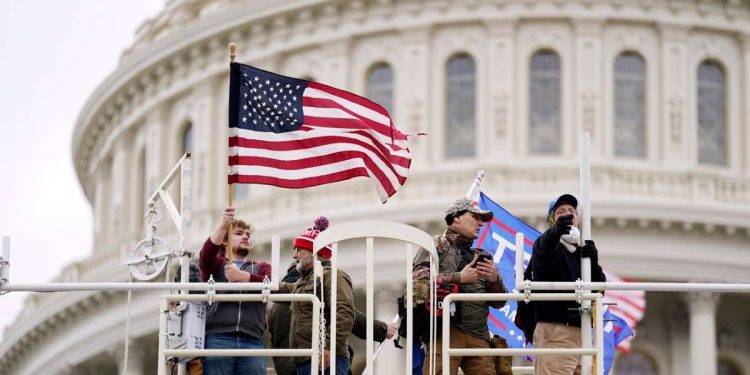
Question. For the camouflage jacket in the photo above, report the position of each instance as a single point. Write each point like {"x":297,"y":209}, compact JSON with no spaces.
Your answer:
{"x":471,"y":316}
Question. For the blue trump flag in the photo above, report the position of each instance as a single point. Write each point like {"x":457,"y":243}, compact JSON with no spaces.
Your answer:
{"x":498,"y":237}
{"x":615,"y":330}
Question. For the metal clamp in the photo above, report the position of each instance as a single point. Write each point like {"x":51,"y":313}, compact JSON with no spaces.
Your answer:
{"x":579,"y":291}
{"x":211,"y":291}
{"x":527,"y":291}
{"x":266,"y":289}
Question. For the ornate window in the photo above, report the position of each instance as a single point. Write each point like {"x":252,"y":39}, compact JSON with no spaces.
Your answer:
{"x":635,"y":363}
{"x":712,"y":141}
{"x":630,"y":116}
{"x":460,"y":109}
{"x":544,"y":103}
{"x":380,"y":85}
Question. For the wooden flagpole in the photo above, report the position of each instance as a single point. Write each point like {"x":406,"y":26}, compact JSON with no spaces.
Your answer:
{"x":230,"y":191}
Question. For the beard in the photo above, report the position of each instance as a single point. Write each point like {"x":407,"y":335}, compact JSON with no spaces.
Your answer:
{"x":303,"y":264}
{"x":242,"y":250}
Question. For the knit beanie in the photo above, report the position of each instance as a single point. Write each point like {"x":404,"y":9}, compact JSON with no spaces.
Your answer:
{"x":305,"y":240}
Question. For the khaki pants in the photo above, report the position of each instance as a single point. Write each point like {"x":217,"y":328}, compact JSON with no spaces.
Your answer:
{"x":556,"y":335}
{"x":484,"y":365}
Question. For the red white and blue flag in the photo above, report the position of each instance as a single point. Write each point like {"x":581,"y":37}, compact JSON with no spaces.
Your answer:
{"x":498,"y":237}
{"x":294,"y":133}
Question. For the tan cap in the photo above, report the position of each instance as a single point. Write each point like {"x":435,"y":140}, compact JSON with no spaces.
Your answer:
{"x":466,"y":204}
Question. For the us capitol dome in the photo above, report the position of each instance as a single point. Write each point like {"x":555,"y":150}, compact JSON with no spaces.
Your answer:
{"x":504,"y":86}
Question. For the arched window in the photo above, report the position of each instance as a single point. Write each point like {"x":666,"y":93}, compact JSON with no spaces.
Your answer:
{"x":630,"y":114}
{"x":727,"y":367}
{"x":712,"y":146}
{"x":187,"y":137}
{"x":460,"y":108}
{"x":380,"y":86}
{"x":544,"y":103}
{"x":635,"y":363}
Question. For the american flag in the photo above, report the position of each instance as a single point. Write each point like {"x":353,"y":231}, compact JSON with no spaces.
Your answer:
{"x":294,"y":133}
{"x":629,"y":305}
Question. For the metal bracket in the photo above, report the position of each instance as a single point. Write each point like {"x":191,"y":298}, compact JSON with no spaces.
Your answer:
{"x":5,"y":262}
{"x":266,"y":289}
{"x":211,"y":291}
{"x":527,"y":291}
{"x":579,"y":291}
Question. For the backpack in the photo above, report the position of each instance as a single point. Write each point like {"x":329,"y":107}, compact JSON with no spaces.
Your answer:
{"x":526,"y":312}
{"x":421,"y":312}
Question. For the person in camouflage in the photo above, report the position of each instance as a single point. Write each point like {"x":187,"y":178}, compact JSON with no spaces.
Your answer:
{"x":460,"y":264}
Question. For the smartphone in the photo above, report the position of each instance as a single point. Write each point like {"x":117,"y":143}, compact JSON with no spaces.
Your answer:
{"x":483,"y":257}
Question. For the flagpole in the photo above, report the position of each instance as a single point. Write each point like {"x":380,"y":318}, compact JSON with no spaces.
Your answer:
{"x":584,"y":207}
{"x":475,"y":185}
{"x":230,"y":192}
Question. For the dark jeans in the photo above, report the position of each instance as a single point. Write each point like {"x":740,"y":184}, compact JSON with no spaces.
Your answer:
{"x":342,"y":367}
{"x":233,"y":365}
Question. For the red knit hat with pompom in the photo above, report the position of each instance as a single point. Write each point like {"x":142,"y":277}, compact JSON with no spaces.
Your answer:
{"x":305,"y":240}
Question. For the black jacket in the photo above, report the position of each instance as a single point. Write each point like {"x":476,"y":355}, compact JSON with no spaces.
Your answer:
{"x":551,"y":261}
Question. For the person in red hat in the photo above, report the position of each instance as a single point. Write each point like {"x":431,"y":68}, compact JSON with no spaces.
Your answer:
{"x":301,"y":320}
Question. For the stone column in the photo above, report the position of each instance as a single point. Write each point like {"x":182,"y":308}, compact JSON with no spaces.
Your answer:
{"x":587,"y":83}
{"x":745,"y":116}
{"x":673,"y":101}
{"x":702,"y":306}
{"x":677,"y":322}
{"x":414,"y":103}
{"x":497,"y":139}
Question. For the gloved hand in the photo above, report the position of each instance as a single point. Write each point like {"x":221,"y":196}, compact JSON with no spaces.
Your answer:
{"x":588,"y":250}
{"x":563,"y":225}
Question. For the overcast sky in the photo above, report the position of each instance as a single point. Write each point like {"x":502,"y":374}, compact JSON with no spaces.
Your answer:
{"x":53,"y":54}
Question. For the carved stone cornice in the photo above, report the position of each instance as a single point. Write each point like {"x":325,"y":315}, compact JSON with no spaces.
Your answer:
{"x":703,"y":302}
{"x":195,"y":33}
{"x":44,"y":320}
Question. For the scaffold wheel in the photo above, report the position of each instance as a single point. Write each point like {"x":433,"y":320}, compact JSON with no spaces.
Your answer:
{"x":149,"y":259}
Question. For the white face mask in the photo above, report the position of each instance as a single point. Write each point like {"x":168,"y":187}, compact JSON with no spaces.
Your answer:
{"x":571,"y":239}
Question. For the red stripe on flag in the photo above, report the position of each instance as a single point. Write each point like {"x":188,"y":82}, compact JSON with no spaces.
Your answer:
{"x":510,"y":230}
{"x":484,"y":234}
{"x":497,"y":322}
{"x":302,"y":182}
{"x":629,"y":299}
{"x":307,"y":143}
{"x":625,"y":315}
{"x":349,"y":96}
{"x":365,"y":122}
{"x":315,"y":162}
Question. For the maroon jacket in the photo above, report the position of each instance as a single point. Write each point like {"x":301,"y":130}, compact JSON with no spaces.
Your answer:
{"x":248,"y":318}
